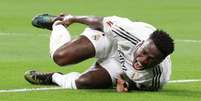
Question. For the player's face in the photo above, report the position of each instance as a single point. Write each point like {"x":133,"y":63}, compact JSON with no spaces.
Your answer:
{"x":147,"y":55}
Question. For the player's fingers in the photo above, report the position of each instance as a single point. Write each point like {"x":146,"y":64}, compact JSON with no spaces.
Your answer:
{"x":126,"y":89}
{"x":120,"y":81}
{"x":121,"y":89}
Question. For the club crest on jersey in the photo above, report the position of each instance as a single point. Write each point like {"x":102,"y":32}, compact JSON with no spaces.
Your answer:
{"x":96,"y":36}
{"x":122,"y":60}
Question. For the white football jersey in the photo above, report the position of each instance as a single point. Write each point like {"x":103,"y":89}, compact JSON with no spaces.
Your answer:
{"x":125,"y":35}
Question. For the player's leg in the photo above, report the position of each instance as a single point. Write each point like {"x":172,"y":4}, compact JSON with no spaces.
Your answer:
{"x":96,"y":78}
{"x":65,"y":51}
{"x":91,"y":43}
{"x":100,"y":75}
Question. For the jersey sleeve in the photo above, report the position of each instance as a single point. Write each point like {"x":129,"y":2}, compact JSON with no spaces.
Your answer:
{"x":121,"y":29}
{"x":153,"y":81}
{"x":149,"y":85}
{"x":125,"y":29}
{"x":145,"y":86}
{"x":148,"y":81}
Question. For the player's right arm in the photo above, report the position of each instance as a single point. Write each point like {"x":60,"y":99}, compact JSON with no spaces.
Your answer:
{"x":94,"y":22}
{"x":104,"y":24}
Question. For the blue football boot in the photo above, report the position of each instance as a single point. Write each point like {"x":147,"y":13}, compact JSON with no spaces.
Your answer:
{"x":44,"y":21}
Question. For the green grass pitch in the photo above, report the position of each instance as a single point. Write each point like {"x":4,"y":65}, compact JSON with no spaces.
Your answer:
{"x":24,"y":47}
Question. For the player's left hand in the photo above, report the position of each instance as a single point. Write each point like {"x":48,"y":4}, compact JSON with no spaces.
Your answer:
{"x":64,"y":19}
{"x":68,"y":19}
{"x":121,"y":86}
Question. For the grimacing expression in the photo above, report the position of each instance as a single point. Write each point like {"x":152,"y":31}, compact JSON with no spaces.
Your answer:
{"x":147,"y":55}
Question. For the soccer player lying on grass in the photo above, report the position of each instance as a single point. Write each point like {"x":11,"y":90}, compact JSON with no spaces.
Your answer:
{"x":130,"y":55}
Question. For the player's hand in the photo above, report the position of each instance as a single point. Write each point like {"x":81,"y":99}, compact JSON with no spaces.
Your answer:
{"x":64,"y":19}
{"x":68,"y":19}
{"x":121,"y":86}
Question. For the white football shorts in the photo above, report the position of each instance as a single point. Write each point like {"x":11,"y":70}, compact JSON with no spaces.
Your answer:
{"x":103,"y":46}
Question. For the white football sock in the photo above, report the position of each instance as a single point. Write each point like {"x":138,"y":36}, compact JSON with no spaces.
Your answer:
{"x":59,"y":36}
{"x":67,"y":80}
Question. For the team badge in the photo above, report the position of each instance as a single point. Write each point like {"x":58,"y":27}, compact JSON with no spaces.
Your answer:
{"x":96,"y":36}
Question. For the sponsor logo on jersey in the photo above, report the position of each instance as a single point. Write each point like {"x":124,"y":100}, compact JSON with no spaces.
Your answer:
{"x":122,"y":60}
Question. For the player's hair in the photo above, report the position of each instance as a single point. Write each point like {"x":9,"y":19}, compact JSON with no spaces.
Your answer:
{"x":163,"y":41}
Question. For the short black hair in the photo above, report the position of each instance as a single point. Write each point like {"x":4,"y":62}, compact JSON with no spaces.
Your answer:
{"x":163,"y":42}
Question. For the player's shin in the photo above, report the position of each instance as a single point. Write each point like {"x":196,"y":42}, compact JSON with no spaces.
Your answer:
{"x":59,"y":36}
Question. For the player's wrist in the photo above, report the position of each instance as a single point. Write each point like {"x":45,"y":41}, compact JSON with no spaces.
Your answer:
{"x":69,"y":18}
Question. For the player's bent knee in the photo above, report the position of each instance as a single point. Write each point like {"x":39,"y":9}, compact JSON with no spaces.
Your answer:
{"x":84,"y":83}
{"x":74,"y":52}
{"x":60,"y":58}
{"x":57,"y":59}
{"x":93,"y":80}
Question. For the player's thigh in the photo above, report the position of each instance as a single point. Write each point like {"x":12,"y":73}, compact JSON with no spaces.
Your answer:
{"x":96,"y":78}
{"x":75,"y":51}
{"x":91,"y":43}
